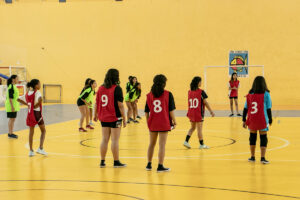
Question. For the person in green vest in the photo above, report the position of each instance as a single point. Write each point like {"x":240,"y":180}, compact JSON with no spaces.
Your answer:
{"x":130,"y":105}
{"x":134,"y":96}
{"x":83,"y":104}
{"x":90,"y":100}
{"x":12,"y":104}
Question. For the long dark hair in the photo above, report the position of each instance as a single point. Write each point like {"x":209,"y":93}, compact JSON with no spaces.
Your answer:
{"x":111,"y":78}
{"x":9,"y":81}
{"x":131,"y":80}
{"x":195,"y":82}
{"x":259,"y":85}
{"x":159,"y":84}
{"x":32,"y":83}
{"x":234,"y":73}
{"x":87,"y":81}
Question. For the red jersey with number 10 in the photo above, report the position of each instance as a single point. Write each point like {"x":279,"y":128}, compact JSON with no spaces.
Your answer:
{"x":31,"y":120}
{"x":105,"y":102}
{"x":256,"y":115}
{"x":195,"y":102}
{"x":159,"y":119}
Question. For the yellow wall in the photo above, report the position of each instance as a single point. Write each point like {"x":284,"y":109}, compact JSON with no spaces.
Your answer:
{"x":83,"y":38}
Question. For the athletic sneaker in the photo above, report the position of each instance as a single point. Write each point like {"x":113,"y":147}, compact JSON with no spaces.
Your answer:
{"x":91,"y":123}
{"x":90,"y":127}
{"x":12,"y":136}
{"x":41,"y":151}
{"x":203,"y":146}
{"x":264,"y":161}
{"x":161,"y":168}
{"x":130,"y":119}
{"x":149,"y":166}
{"x":239,"y":115}
{"x":102,"y":164}
{"x":139,"y":117}
{"x":187,"y":145}
{"x":231,"y":115}
{"x":252,"y":159}
{"x":118,"y":164}
{"x":31,"y":153}
{"x":136,"y":121}
{"x":82,"y":130}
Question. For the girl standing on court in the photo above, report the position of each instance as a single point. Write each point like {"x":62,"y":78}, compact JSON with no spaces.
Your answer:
{"x":129,"y":104}
{"x":257,"y":116}
{"x":12,"y":105}
{"x":34,"y":115}
{"x":83,"y":104}
{"x":159,"y":111}
{"x":233,"y":87}
{"x":110,"y":111}
{"x":197,"y":103}
{"x":134,"y":95}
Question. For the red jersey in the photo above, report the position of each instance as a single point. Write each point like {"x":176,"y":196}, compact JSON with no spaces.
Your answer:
{"x":159,"y":119}
{"x":31,"y":120}
{"x":195,"y":108}
{"x":234,"y":92}
{"x":256,"y":115}
{"x":105,"y":104}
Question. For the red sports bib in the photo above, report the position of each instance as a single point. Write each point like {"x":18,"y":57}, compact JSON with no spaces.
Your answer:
{"x":195,"y":102}
{"x":105,"y":102}
{"x":234,"y":92}
{"x":159,"y":119}
{"x":256,"y":115}
{"x":31,"y":121}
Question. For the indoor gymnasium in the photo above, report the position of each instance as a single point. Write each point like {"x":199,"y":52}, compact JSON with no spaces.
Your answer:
{"x":149,"y":99}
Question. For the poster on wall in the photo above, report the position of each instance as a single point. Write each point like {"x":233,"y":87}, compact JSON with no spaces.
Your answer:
{"x":236,"y":60}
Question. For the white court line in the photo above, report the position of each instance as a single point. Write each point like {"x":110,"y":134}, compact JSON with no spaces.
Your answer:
{"x":286,"y":143}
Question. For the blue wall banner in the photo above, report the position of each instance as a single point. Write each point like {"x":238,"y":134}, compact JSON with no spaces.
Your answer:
{"x":236,"y":59}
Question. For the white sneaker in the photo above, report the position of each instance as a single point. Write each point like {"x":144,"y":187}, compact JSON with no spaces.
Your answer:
{"x":203,"y":146}
{"x":41,"y":151}
{"x":92,"y":124}
{"x":31,"y":153}
{"x":186,"y":144}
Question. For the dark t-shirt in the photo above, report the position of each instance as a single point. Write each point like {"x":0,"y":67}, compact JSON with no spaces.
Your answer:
{"x":11,"y":93}
{"x":203,"y":96}
{"x":118,"y":96}
{"x":171,"y":104}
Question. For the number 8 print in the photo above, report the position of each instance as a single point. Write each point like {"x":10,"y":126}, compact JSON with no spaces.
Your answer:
{"x":157,"y":106}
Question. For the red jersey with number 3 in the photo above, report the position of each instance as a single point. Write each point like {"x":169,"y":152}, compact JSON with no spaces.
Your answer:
{"x":105,"y":102}
{"x":31,"y":120}
{"x":256,"y":115}
{"x":195,"y":102}
{"x":159,"y":119}
{"x":234,"y":92}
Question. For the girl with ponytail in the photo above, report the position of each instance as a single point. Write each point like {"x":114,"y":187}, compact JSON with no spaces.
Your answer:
{"x":12,"y":104}
{"x":34,"y":116}
{"x":159,"y":111}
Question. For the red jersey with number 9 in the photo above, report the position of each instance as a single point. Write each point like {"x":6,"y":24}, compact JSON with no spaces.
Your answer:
{"x":256,"y":115}
{"x":31,"y":120}
{"x":195,"y":102}
{"x":159,"y":119}
{"x":105,"y":102}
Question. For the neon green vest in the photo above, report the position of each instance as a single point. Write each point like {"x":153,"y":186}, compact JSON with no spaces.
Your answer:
{"x":15,"y":102}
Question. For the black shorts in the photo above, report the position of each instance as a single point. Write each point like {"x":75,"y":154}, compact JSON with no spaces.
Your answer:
{"x":80,"y":102}
{"x":38,"y":117}
{"x":116,"y":124}
{"x":12,"y":115}
{"x":233,"y":97}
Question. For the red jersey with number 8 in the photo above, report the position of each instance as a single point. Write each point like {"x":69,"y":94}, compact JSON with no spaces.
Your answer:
{"x":105,"y":104}
{"x":256,"y":115}
{"x":31,"y":120}
{"x":159,"y":119}
{"x":195,"y":102}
